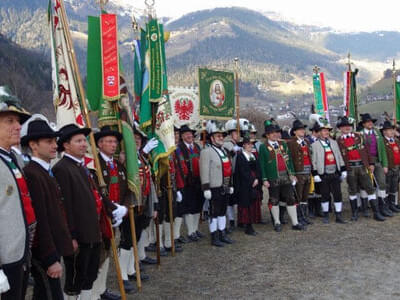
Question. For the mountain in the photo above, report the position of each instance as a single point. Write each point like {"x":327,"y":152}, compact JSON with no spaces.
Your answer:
{"x":276,"y":57}
{"x":28,"y":74}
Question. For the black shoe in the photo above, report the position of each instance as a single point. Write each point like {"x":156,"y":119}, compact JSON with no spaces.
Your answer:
{"x":223,"y":237}
{"x":384,"y":209}
{"x":151,"y":247}
{"x":109,"y":295}
{"x":354,"y":210}
{"x":300,"y":217}
{"x":364,"y":205}
{"x":304,"y":210}
{"x":262,"y":222}
{"x":241,"y":225}
{"x":377,"y":214}
{"x":149,"y":261}
{"x":193,"y":237}
{"x":215,"y":240}
{"x":182,"y":240}
{"x":163,"y":252}
{"x":143,"y":277}
{"x":278,"y":227}
{"x":129,"y":287}
{"x":298,"y":227}
{"x":250,"y":230}
{"x":177,"y":249}
{"x":339,"y":218}
{"x":325,"y":218}
{"x":282,"y":218}
{"x":199,"y":234}
{"x":390,"y":201}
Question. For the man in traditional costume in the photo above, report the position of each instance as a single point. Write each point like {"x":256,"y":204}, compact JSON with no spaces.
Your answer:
{"x":328,"y":171}
{"x":216,"y":182}
{"x":17,"y":217}
{"x":278,"y":175}
{"x":53,"y":239}
{"x":357,"y":161}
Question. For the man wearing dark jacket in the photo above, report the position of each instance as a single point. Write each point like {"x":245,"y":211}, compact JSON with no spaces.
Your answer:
{"x":82,"y":203}
{"x":53,"y":239}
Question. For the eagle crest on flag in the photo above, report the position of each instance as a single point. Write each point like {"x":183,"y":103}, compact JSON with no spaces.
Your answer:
{"x":184,"y":107}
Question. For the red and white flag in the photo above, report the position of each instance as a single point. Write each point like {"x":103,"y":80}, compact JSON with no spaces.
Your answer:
{"x":65,"y":90}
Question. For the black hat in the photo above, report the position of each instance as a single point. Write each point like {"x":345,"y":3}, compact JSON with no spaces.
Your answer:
{"x":38,"y":129}
{"x":343,"y":121}
{"x":107,"y":131}
{"x":69,"y":131}
{"x":297,"y":124}
{"x":271,"y":126}
{"x":186,"y":128}
{"x":366,"y":117}
{"x":245,"y":140}
{"x":387,"y":125}
{"x":315,"y":127}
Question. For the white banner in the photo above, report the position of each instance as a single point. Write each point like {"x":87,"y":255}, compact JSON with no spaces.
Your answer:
{"x":185,"y":107}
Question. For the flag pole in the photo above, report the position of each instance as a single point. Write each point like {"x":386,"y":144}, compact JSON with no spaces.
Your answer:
{"x":394,"y":92}
{"x":85,"y":112}
{"x":236,"y":59}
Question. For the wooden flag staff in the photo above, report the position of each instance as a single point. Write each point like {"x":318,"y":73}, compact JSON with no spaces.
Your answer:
{"x":85,"y":112}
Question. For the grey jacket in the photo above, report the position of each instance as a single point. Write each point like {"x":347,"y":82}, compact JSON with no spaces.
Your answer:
{"x":211,"y":171}
{"x":13,"y":228}
{"x":318,"y":157}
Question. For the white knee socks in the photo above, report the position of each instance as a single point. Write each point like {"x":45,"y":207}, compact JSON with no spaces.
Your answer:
{"x":292,"y":212}
{"x":177,"y":227}
{"x":221,"y":223}
{"x":275,"y":214}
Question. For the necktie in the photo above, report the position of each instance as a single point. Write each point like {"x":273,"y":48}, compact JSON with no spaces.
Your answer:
{"x":191,"y":149}
{"x":275,"y":145}
{"x":391,"y":140}
{"x":50,"y":172}
{"x":111,"y":165}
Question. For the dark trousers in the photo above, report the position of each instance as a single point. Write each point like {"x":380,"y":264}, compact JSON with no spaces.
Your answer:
{"x":81,"y":269}
{"x":303,"y":187}
{"x":193,"y":199}
{"x":218,"y":203}
{"x":141,"y":222}
{"x":392,"y":180}
{"x":17,"y":276}
{"x":46,"y":288}
{"x":281,"y":192}
{"x":330,"y":184}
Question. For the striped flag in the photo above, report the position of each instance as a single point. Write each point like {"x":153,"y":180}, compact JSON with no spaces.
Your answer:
{"x":397,"y":97}
{"x":320,"y":96}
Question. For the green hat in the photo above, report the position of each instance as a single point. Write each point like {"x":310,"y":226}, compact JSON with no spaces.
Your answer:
{"x":10,"y":103}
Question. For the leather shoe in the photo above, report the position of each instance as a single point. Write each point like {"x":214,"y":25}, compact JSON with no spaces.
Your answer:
{"x":151,"y":248}
{"x":182,"y":240}
{"x":177,"y":249}
{"x":129,"y":287}
{"x":199,"y":234}
{"x":298,"y":227}
{"x":143,"y":277}
{"x":163,"y":252}
{"x":109,"y":295}
{"x":278,"y":227}
{"x":193,"y":237}
{"x":149,"y":261}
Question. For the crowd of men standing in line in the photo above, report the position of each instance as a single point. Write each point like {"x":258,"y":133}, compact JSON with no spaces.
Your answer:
{"x":54,"y":221}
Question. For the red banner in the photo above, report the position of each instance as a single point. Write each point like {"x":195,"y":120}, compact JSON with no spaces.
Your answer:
{"x":324,"y":95}
{"x":109,"y":56}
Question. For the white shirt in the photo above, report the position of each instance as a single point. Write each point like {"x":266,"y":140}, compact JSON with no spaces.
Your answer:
{"x":41,"y":162}
{"x":391,"y":140}
{"x":81,"y":161}
{"x":273,"y":144}
{"x":106,"y":158}
{"x":345,"y":136}
{"x":189,"y":145}
{"x":368,"y":131}
{"x":249,"y":156}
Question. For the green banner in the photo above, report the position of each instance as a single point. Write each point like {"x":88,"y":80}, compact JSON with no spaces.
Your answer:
{"x":132,"y":166}
{"x":94,"y":82}
{"x":216,"y":94}
{"x":397,"y":90}
{"x":319,"y":106}
{"x":156,"y":43}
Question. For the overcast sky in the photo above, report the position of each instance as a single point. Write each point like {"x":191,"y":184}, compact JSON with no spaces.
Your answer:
{"x":344,"y":15}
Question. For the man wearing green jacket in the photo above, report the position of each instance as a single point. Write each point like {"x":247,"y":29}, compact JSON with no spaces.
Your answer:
{"x":373,"y":142}
{"x":277,"y":175}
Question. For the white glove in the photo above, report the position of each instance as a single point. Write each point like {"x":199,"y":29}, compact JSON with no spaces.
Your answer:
{"x":236,"y":148}
{"x":178,"y":196}
{"x":317,"y":179}
{"x":207,"y":194}
{"x":150,"y":145}
{"x":119,"y":212}
{"x":344,"y":175}
{"x":231,"y":190}
{"x":4,"y":286}
{"x":116,"y":222}
{"x":294,"y":182}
